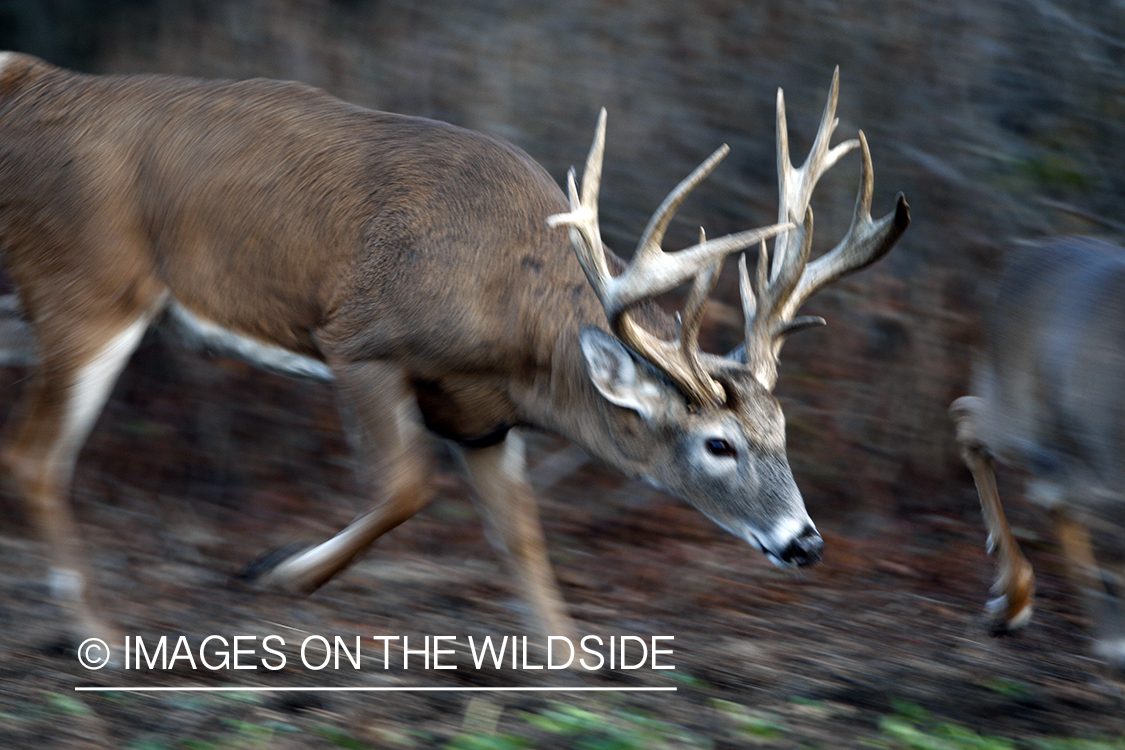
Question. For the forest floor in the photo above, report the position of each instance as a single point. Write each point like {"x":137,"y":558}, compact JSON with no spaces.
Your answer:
{"x":882,"y":645}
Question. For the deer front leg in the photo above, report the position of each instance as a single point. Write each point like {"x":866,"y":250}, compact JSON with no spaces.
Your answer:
{"x":385,"y":428}
{"x":508,"y":505}
{"x":1015,"y":581}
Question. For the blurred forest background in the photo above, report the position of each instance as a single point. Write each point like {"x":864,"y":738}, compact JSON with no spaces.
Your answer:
{"x":999,"y":120}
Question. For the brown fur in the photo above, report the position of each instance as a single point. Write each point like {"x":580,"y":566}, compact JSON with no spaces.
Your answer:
{"x":411,"y":258}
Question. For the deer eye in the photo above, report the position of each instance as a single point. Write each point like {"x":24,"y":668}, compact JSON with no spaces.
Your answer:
{"x":721,"y":448}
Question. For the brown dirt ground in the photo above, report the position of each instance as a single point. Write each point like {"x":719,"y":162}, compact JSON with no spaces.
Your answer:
{"x":177,"y":491}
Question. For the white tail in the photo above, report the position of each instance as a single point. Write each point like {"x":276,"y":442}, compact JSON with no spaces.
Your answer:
{"x":1050,"y":399}
{"x":417,"y":265}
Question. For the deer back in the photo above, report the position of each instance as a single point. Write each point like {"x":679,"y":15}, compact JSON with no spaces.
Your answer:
{"x":279,"y":212}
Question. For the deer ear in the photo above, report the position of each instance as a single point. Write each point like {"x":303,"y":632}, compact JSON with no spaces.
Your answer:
{"x":617,"y":376}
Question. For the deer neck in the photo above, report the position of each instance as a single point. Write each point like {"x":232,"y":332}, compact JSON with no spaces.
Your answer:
{"x":560,"y":397}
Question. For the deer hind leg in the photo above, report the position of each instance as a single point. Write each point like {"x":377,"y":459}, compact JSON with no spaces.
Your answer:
{"x":386,"y":429}
{"x":1015,"y":581}
{"x":1100,"y":589}
{"x":1111,"y":635}
{"x":43,"y":439}
{"x":508,"y":505}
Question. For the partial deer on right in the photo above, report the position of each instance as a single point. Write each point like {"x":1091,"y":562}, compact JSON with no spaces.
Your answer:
{"x":1050,"y":399}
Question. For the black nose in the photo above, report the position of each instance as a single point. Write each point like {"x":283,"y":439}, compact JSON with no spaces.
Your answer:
{"x":805,"y":550}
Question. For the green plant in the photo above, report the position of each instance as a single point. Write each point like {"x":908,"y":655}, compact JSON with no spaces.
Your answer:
{"x":912,"y":728}
{"x":620,"y":729}
{"x":749,"y":722}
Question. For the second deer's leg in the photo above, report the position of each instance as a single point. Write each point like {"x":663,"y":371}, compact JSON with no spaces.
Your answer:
{"x":1100,"y":589}
{"x":1111,"y":633}
{"x":1015,"y":581}
{"x":508,"y":504}
{"x":387,"y":432}
{"x":51,"y":422}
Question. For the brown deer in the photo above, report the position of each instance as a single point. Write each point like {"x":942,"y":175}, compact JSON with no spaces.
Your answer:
{"x":1051,"y":400}
{"x":428,"y":271}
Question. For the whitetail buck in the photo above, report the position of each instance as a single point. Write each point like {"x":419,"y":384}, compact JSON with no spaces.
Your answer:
{"x":427,"y":270}
{"x":1051,"y":399}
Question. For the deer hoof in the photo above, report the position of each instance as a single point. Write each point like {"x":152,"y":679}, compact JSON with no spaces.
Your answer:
{"x":1004,"y":617}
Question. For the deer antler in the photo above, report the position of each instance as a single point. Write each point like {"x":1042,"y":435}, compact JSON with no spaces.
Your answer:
{"x":652,"y":271}
{"x":770,"y":300}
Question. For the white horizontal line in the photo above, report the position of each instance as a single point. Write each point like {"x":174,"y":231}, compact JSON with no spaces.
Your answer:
{"x":367,"y":689}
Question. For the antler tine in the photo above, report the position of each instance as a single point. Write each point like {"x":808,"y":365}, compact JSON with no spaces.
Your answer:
{"x":865,"y":242}
{"x":796,"y":186}
{"x":746,"y":287}
{"x":649,"y":244}
{"x":592,"y":173}
{"x":585,"y":231}
{"x":692,"y":318}
{"x":765,"y":331}
{"x":791,"y":278}
{"x":652,"y":271}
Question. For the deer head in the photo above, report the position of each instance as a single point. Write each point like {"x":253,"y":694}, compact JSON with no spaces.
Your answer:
{"x":716,"y":432}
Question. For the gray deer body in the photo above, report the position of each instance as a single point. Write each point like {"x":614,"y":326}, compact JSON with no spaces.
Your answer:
{"x":1050,"y":399}
{"x":421,"y":267}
